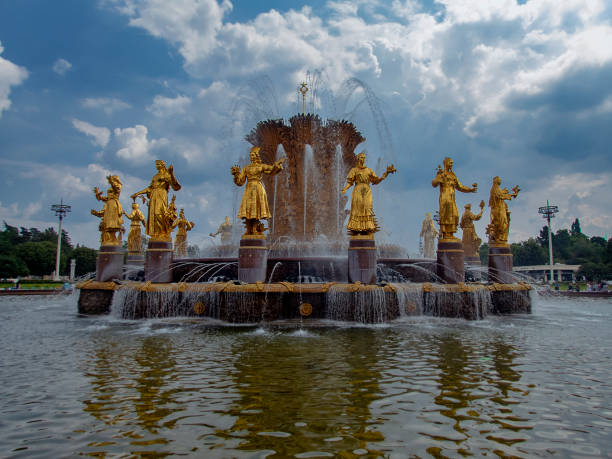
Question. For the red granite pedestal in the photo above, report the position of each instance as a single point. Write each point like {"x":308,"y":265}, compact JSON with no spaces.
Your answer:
{"x":252,"y":259}
{"x":362,"y":259}
{"x":500,"y":264}
{"x":450,"y":261}
{"x":158,"y":261}
{"x":109,"y":264}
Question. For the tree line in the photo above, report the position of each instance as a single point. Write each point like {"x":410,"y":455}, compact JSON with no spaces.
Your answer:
{"x":570,"y":246}
{"x":30,"y":251}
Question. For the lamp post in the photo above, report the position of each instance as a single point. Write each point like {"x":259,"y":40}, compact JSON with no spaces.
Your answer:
{"x":549,"y":212}
{"x":60,"y":210}
{"x":303,"y":89}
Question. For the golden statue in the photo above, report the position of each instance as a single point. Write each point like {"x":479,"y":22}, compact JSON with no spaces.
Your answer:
{"x":159,"y":218}
{"x":470,"y":241}
{"x":135,"y":235}
{"x":180,"y":241}
{"x":254,"y":206}
{"x":500,"y":216}
{"x":361,"y":219}
{"x":225,"y":229}
{"x":448,"y":183}
{"x":111,"y":225}
{"x":429,"y":234}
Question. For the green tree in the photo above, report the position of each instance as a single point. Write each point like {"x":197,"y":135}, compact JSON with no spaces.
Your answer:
{"x":11,"y":266}
{"x":598,"y":240}
{"x":575,"y":228}
{"x":529,"y":253}
{"x":561,"y":245}
{"x":608,"y":252}
{"x":39,"y":257}
{"x":543,"y":237}
{"x":85,"y":260}
{"x":483,"y":252}
{"x":595,"y":271}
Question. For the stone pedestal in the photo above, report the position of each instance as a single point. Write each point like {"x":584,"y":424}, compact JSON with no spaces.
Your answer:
{"x":109,"y":264}
{"x":158,"y":261}
{"x":362,"y":260}
{"x":500,"y":264}
{"x":252,"y":259}
{"x":450,"y":261}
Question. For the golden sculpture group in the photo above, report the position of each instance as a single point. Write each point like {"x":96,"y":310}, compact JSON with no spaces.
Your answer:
{"x":162,"y":216}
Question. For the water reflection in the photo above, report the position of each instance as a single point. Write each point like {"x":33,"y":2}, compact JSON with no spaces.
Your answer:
{"x":445,"y":388}
{"x":298,"y":398}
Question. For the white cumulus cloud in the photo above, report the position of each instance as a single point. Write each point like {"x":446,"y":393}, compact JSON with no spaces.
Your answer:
{"x":100,"y":135}
{"x":108,"y":105}
{"x":61,"y":66}
{"x":134,"y":143}
{"x":10,"y":75}
{"x":169,"y":106}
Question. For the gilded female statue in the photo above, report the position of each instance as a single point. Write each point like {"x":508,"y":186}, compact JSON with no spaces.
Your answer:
{"x":135,"y":235}
{"x":225,"y":229}
{"x":448,"y":183}
{"x":429,"y":234}
{"x":470,"y":240}
{"x":500,"y":216}
{"x":254,"y":205}
{"x":111,"y":225}
{"x":159,"y":220}
{"x":361,"y":219}
{"x":180,"y":240}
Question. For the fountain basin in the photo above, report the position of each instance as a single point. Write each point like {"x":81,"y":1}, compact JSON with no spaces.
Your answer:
{"x":253,"y":303}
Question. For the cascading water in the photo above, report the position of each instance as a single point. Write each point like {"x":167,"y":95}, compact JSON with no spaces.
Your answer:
{"x":338,"y":191}
{"x":280,"y":153}
{"x":409,"y":298}
{"x":368,"y":305}
{"x":308,"y":171}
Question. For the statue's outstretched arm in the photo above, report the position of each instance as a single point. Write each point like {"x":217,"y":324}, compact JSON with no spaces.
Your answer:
{"x":146,"y":191}
{"x":466,"y":189}
{"x":375,"y":180}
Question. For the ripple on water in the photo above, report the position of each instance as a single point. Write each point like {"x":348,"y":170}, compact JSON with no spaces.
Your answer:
{"x":514,"y":386}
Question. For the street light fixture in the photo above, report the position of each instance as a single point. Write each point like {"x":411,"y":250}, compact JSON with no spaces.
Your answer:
{"x":549,"y":212}
{"x":60,"y":210}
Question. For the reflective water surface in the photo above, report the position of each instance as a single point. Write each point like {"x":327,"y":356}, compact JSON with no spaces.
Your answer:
{"x":529,"y":386}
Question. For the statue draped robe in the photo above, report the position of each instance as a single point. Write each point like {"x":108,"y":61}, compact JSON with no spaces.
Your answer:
{"x":254,"y":204}
{"x":361,"y":218}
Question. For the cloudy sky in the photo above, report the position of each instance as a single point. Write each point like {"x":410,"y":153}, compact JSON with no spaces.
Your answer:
{"x":520,"y":89}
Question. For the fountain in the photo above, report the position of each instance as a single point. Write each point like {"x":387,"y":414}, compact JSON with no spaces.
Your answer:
{"x":305,"y":266}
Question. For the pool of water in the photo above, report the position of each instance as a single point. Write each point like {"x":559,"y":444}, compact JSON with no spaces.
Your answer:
{"x":534,"y":385}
